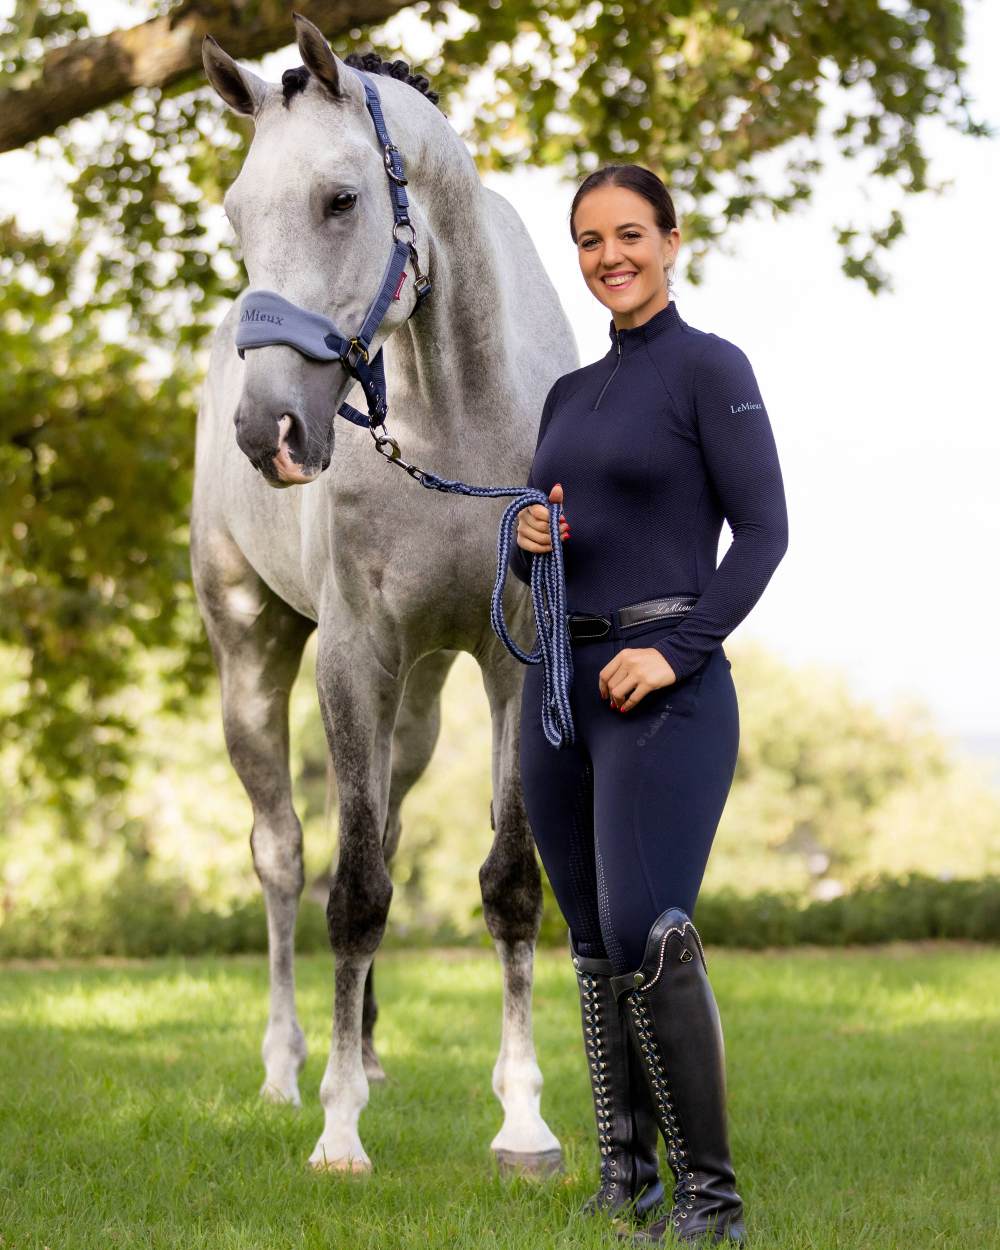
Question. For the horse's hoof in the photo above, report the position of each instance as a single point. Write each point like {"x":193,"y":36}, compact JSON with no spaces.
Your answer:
{"x":285,"y":1097}
{"x":344,"y":1167}
{"x":534,"y":1163}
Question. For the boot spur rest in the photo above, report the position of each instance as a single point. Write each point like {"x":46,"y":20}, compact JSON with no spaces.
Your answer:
{"x":674,"y":1022}
{"x":626,"y":1124}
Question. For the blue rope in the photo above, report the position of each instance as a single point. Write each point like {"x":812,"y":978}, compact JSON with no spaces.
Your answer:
{"x":548,"y":598}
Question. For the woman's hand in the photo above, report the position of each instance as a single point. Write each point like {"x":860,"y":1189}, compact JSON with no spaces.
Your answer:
{"x":533,"y":524}
{"x":632,"y":674}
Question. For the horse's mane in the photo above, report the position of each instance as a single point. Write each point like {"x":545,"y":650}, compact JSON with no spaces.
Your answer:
{"x":294,"y":80}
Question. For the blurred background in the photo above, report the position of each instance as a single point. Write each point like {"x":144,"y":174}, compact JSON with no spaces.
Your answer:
{"x":836,"y":180}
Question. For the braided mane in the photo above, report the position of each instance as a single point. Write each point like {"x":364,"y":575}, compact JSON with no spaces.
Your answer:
{"x":294,"y":80}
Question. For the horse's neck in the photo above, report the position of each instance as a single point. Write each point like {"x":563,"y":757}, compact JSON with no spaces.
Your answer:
{"x":453,"y":351}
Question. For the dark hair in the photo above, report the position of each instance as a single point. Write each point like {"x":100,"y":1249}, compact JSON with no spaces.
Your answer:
{"x":636,"y":178}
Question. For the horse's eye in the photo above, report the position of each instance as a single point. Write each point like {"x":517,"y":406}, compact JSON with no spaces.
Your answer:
{"x":340,"y":203}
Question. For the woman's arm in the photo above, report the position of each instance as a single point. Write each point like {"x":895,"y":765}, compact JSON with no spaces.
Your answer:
{"x":742,"y":462}
{"x":519,"y":561}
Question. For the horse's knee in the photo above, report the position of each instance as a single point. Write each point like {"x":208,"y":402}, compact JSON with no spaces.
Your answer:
{"x":277,"y":855}
{"x":357,"y":908}
{"x":511,"y":887}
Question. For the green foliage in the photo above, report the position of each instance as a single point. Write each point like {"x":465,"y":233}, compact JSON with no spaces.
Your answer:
{"x":907,"y":841}
{"x":140,"y":916}
{"x":95,"y":464}
{"x":700,"y":91}
{"x":911,"y":907}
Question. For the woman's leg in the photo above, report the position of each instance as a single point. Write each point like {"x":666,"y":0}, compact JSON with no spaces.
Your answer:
{"x":559,"y":798}
{"x":558,"y":786}
{"x":662,"y":775}
{"x":663,"y":771}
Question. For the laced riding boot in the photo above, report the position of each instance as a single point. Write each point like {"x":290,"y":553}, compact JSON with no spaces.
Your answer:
{"x":674,"y":1020}
{"x":626,"y":1122}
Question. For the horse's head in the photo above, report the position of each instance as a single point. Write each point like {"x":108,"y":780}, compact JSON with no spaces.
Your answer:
{"x":314,"y":217}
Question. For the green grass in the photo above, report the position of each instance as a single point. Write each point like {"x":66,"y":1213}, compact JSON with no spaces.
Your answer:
{"x":863,"y":1105}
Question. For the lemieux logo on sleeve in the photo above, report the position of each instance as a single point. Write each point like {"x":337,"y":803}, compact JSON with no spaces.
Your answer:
{"x":746,"y":406}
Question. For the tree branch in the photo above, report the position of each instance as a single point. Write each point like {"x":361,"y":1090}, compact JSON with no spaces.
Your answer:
{"x":90,"y":73}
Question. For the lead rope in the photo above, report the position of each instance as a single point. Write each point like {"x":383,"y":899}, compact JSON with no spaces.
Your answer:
{"x":548,"y":587}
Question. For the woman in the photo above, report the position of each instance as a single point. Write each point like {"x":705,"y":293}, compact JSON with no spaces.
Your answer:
{"x":649,"y":449}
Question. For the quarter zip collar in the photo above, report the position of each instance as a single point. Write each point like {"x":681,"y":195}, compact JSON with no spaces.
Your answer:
{"x":633,"y":337}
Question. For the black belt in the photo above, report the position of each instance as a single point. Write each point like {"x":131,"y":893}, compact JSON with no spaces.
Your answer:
{"x":584,"y":627}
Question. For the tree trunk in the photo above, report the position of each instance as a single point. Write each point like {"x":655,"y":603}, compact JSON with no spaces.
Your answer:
{"x":89,"y":73}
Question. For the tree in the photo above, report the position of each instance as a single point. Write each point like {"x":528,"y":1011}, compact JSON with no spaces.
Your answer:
{"x":97,"y":444}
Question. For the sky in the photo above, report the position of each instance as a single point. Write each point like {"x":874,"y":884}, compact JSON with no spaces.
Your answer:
{"x":885,"y":409}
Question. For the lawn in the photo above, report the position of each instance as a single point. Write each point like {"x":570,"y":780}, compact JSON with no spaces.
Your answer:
{"x":863,"y":1105}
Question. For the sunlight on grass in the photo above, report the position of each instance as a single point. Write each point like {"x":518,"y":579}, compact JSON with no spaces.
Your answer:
{"x":862,"y":1105}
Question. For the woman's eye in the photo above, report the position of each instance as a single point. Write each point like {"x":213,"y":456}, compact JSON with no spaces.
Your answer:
{"x":341,"y":203}
{"x":632,"y":234}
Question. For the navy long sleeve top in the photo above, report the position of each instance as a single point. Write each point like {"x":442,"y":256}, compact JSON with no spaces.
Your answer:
{"x":654,"y":445}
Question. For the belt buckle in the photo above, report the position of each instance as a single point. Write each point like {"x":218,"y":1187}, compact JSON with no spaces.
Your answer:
{"x":577,"y":620}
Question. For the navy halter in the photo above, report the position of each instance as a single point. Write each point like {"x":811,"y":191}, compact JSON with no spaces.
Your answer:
{"x":267,"y":318}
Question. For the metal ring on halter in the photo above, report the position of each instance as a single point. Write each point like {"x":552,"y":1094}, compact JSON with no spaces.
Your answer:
{"x":409,"y":224}
{"x":355,"y":346}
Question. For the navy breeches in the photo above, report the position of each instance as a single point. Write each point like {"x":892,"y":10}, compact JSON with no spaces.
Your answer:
{"x":624,"y":819}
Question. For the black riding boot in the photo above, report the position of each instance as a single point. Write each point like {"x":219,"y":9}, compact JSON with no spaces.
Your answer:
{"x":626,"y":1122}
{"x":674,"y":1020}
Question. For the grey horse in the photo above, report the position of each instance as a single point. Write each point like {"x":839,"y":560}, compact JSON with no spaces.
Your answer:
{"x":395,"y":578}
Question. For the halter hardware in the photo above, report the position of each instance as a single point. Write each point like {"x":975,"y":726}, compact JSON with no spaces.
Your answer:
{"x":387,"y":152}
{"x":268,"y":318}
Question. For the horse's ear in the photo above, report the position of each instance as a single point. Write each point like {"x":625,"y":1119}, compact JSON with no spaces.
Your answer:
{"x":317,"y":55}
{"x":243,"y":91}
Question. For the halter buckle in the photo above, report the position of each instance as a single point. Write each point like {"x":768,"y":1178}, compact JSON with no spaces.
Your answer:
{"x":387,"y":151}
{"x":362,"y":354}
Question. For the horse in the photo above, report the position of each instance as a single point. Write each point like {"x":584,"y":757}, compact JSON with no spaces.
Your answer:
{"x":296,"y":526}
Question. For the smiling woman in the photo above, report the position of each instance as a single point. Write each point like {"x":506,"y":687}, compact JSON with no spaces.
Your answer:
{"x":648,"y":449}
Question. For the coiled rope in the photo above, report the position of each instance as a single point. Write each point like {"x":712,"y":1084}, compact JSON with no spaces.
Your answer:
{"x":548,"y":592}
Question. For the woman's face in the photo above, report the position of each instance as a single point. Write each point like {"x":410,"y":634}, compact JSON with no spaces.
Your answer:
{"x":623,"y":253}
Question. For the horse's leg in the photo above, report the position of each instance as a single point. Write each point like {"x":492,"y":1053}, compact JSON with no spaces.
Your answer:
{"x":512,"y":906}
{"x":257,"y":641}
{"x":418,"y":726}
{"x":359,"y":700}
